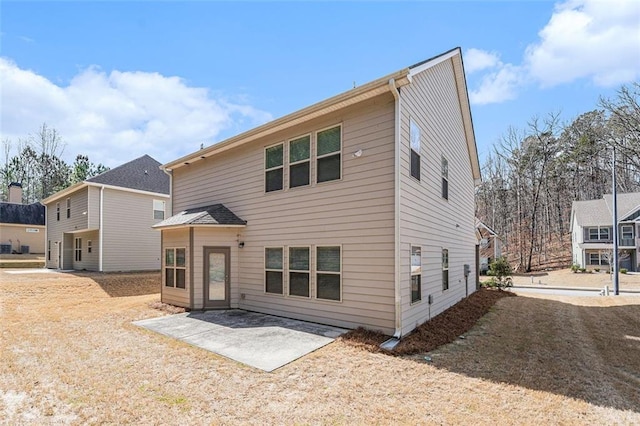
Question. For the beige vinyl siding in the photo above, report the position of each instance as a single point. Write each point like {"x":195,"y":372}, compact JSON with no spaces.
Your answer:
{"x":176,"y":238}
{"x":93,"y":209}
{"x":78,"y":222}
{"x":89,"y":261}
{"x":129,"y":242}
{"x":18,"y":236}
{"x":356,"y":212}
{"x":427,"y":219}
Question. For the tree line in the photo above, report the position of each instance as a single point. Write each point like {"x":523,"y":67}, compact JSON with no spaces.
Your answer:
{"x":38,"y":166}
{"x":532,"y":176}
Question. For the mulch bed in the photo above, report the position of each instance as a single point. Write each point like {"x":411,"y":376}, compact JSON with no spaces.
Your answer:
{"x":441,"y":329}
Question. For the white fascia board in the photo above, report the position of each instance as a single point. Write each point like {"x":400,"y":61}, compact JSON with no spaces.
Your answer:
{"x":135,"y":191}
{"x":433,"y":62}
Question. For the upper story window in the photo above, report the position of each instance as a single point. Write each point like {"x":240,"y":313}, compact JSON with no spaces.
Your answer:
{"x":445,"y":178}
{"x":299,"y":161}
{"x":274,"y":167}
{"x":68,"y":208}
{"x":627,"y":232}
{"x":414,"y":141}
{"x":328,"y":154}
{"x":599,"y":233}
{"x":158,"y":209}
{"x":58,"y":211}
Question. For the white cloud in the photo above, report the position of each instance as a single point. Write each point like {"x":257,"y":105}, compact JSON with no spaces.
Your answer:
{"x":498,"y":86}
{"x":594,"y":39}
{"x":478,"y":60}
{"x":119,"y":116}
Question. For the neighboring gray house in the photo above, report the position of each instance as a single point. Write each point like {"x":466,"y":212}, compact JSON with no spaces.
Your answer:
{"x":592,"y":231}
{"x":105,"y":223}
{"x":21,"y":225}
{"x":490,"y":245}
{"x":355,"y":211}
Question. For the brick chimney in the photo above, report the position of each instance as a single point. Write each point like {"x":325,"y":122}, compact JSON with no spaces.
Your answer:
{"x":15,"y":193}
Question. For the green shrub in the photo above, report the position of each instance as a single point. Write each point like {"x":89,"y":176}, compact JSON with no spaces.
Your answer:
{"x":500,"y":272}
{"x":575,"y":267}
{"x":583,"y":270}
{"x":596,"y":269}
{"x":623,"y":270}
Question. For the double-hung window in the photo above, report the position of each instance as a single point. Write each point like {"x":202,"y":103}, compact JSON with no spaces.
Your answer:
{"x":175,"y":267}
{"x":68,"y":208}
{"x":299,"y":271}
{"x":416,"y":274}
{"x":274,"y":168}
{"x":273,"y":270}
{"x":299,"y":161}
{"x":445,"y":269}
{"x":158,"y":209}
{"x":627,"y":232}
{"x":78,"y":250}
{"x":328,"y":273}
{"x":328,"y":154}
{"x":414,"y":141}
{"x":89,"y":246}
{"x":445,"y":178}
{"x":604,"y":234}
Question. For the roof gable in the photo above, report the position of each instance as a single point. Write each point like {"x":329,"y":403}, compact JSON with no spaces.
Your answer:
{"x":143,"y":174}
{"x":351,"y":97}
{"x":600,"y":212}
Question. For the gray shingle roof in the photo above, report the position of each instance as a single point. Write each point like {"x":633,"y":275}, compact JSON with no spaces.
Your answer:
{"x":599,"y":212}
{"x":216,"y":214}
{"x":143,"y":174}
{"x":22,"y":214}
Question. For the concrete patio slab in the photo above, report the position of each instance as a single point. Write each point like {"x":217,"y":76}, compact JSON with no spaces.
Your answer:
{"x":258,"y":340}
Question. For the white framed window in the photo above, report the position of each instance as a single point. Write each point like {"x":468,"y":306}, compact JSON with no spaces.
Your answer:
{"x":175,"y":267}
{"x":627,"y":232}
{"x":329,"y":154}
{"x":89,"y":246}
{"x":48,"y":249}
{"x":57,"y":211}
{"x":414,"y":142}
{"x":274,"y":167}
{"x":159,"y":207}
{"x":299,"y":161}
{"x":68,"y":208}
{"x":445,"y":178}
{"x":78,"y":250}
{"x":416,"y":274}
{"x":274,"y":270}
{"x":445,"y":269}
{"x":329,"y":272}
{"x":599,"y":233}
{"x":604,"y":233}
{"x":299,"y":271}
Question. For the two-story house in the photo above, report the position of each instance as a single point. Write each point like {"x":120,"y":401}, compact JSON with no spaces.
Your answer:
{"x":105,"y":222}
{"x":592,"y":231}
{"x":355,"y":211}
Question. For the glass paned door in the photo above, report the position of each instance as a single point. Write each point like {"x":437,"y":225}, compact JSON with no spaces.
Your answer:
{"x":216,"y":285}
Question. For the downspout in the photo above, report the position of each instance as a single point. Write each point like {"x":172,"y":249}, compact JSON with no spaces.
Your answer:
{"x":47,"y":247}
{"x":100,"y":238}
{"x":398,"y":294}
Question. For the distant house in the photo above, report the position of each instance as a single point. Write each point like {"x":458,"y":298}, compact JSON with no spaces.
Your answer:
{"x":490,"y":245}
{"x":105,"y":223}
{"x":592,"y":231}
{"x":355,"y":211}
{"x":22,"y":227}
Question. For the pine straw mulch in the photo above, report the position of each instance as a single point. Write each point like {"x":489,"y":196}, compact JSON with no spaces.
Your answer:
{"x":441,"y":329}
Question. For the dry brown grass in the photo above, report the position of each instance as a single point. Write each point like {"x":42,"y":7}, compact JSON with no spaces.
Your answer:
{"x":70,"y":355}
{"x":566,"y":278}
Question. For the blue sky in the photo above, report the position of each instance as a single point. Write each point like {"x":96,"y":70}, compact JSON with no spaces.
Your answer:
{"x":120,"y":79}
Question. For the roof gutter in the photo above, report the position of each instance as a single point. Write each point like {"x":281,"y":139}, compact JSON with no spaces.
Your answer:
{"x":398,"y":294}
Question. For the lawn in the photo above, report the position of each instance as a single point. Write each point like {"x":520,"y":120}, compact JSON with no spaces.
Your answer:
{"x":70,"y":355}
